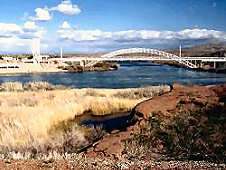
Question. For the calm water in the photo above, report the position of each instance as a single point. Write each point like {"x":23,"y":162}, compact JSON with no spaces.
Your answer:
{"x":130,"y":74}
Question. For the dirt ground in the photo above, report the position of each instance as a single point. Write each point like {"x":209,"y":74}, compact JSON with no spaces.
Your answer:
{"x":110,"y":151}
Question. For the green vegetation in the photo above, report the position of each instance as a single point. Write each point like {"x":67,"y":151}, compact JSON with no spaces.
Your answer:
{"x":194,"y":135}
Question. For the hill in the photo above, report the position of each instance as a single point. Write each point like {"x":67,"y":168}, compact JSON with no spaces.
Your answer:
{"x":204,"y":50}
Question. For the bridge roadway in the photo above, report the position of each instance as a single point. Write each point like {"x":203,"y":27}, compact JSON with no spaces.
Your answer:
{"x":138,"y":58}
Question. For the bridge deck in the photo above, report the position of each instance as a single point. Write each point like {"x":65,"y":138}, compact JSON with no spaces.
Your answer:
{"x":204,"y":59}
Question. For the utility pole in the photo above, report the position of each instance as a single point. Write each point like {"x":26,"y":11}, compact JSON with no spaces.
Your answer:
{"x":180,"y":51}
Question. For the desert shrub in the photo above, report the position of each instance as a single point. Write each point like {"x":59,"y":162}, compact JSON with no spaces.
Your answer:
{"x":31,"y":86}
{"x":100,"y":64}
{"x":68,"y":136}
{"x":94,"y":93}
{"x":34,"y":86}
{"x":194,"y":135}
{"x":11,"y":86}
{"x":146,"y":92}
{"x":30,"y":102}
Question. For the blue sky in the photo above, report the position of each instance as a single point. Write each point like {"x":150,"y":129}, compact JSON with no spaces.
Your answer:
{"x":106,"y":25}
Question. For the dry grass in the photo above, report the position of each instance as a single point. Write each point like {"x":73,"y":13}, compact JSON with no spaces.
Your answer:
{"x":11,"y":86}
{"x":27,"y":117}
{"x":146,"y":92}
{"x":30,"y":86}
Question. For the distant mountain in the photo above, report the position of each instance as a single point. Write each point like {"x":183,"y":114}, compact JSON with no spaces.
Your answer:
{"x":204,"y":50}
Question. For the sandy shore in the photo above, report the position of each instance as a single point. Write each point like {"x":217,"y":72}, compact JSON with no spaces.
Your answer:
{"x":25,"y":68}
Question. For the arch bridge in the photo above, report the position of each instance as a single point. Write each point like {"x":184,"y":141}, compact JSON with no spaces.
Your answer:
{"x":152,"y":55}
{"x":144,"y":54}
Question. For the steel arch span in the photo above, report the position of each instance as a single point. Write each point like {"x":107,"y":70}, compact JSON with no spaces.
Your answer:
{"x":163,"y":54}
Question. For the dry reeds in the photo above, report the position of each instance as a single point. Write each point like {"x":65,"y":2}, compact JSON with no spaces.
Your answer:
{"x":11,"y":86}
{"x":30,"y":86}
{"x":42,"y":85}
{"x":146,"y":92}
{"x":27,"y":118}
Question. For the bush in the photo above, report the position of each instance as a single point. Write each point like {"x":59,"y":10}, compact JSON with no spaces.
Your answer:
{"x":34,"y":86}
{"x":195,"y":135}
{"x":11,"y":86}
{"x":146,"y":92}
{"x":94,"y":93}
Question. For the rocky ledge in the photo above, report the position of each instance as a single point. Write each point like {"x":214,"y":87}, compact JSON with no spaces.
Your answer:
{"x":186,"y":124}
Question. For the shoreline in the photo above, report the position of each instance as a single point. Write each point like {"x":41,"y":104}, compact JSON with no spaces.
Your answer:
{"x":178,"y":65}
{"x":29,"y":73}
{"x":31,"y":68}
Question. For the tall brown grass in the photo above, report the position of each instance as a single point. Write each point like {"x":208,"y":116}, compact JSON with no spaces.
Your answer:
{"x":27,"y":117}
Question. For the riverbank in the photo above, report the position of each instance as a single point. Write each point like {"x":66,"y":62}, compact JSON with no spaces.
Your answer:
{"x":28,"y":68}
{"x":205,"y":68}
{"x":34,"y":68}
{"x":187,"y":114}
{"x":180,"y":129}
{"x":29,"y":111}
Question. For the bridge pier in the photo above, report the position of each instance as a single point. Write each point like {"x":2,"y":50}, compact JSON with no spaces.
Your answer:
{"x":83,"y":63}
{"x":201,"y":64}
{"x":214,"y":64}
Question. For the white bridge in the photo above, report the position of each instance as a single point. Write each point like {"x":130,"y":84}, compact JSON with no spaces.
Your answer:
{"x":143,"y":54}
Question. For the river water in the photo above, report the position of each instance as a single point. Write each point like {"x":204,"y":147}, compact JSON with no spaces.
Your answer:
{"x":129,"y":75}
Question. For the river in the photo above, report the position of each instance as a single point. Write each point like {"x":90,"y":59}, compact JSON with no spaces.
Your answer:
{"x":129,"y":75}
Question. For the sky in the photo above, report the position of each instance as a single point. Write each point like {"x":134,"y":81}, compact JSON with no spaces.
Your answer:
{"x":107,"y":25}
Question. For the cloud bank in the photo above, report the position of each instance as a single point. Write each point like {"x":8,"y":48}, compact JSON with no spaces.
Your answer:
{"x":14,"y":37}
{"x":97,"y":40}
{"x":28,"y":31}
{"x":66,"y":32}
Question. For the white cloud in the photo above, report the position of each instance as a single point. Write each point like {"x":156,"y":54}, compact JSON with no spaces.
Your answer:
{"x":65,"y":25}
{"x":28,"y":31}
{"x":16,"y":38}
{"x":30,"y":26}
{"x":80,"y":35}
{"x":133,"y":35}
{"x":66,"y":7}
{"x":42,"y":15}
{"x":201,"y":34}
{"x":31,"y":30}
{"x":97,"y":40}
{"x":12,"y":44}
{"x":9,"y":29}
